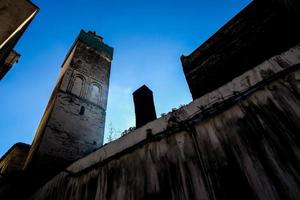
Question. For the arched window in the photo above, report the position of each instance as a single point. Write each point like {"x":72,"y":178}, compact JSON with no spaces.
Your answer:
{"x":77,"y":86}
{"x":95,"y":93}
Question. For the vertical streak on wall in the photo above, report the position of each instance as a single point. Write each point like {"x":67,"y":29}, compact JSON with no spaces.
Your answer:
{"x":247,"y":151}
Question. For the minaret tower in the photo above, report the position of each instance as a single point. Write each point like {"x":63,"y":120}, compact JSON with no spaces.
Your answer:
{"x":73,"y":123}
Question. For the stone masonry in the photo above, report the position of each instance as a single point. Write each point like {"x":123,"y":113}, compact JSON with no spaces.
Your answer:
{"x":73,"y":123}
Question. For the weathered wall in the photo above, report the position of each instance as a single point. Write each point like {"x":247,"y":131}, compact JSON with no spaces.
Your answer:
{"x":15,"y":16}
{"x":251,"y":77}
{"x":290,"y":5}
{"x":14,"y":159}
{"x":244,"y":147}
{"x":10,"y":60}
{"x":93,"y":68}
{"x":73,"y":124}
{"x":260,"y":31}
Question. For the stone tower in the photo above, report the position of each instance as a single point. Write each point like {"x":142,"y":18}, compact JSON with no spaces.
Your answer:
{"x":73,"y":123}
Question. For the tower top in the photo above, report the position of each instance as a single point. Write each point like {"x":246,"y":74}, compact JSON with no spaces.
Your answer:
{"x":94,"y":34}
{"x":96,"y":42}
{"x":143,"y":89}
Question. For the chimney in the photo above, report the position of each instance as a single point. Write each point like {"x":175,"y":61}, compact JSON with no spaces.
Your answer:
{"x":144,"y":106}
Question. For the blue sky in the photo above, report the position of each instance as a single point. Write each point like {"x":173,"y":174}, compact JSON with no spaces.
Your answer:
{"x":148,"y":39}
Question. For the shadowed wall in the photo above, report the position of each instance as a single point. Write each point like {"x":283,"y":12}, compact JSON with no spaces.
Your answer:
{"x":245,"y":147}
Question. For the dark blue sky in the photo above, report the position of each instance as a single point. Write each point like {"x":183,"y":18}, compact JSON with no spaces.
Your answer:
{"x":148,"y":38}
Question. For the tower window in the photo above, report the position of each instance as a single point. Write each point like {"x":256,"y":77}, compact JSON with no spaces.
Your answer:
{"x":82,"y":109}
{"x":77,"y":86}
{"x":95,"y":93}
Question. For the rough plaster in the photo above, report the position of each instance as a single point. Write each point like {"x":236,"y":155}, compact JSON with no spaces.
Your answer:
{"x":242,"y":147}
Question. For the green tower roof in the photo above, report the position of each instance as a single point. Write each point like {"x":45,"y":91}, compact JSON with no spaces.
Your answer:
{"x":95,"y":41}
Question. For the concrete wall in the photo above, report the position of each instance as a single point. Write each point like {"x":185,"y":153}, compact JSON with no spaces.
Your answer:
{"x":244,"y":145}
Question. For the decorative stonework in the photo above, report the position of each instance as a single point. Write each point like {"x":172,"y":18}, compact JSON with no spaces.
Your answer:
{"x":74,"y":126}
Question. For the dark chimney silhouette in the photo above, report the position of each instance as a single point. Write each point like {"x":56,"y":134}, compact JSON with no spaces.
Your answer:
{"x":144,"y":106}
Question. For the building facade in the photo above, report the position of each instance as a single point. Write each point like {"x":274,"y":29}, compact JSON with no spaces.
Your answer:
{"x":15,"y":17}
{"x":260,"y":31}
